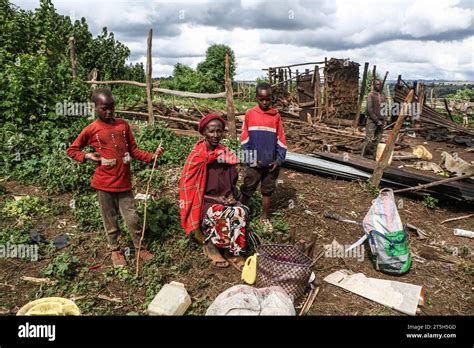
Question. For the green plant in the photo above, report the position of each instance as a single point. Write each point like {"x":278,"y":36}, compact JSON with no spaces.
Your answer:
{"x":163,"y":219}
{"x":373,"y":190}
{"x":26,"y":207}
{"x":14,"y":235}
{"x":255,"y":205}
{"x":279,"y":224}
{"x":63,"y":266}
{"x":430,"y":202}
{"x":87,"y":212}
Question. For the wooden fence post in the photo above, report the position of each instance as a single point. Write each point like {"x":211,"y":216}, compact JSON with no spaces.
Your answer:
{"x":149,"y":95}
{"x":229,"y":100}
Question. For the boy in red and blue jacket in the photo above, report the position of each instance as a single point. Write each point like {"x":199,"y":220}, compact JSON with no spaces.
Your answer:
{"x":263,"y":133}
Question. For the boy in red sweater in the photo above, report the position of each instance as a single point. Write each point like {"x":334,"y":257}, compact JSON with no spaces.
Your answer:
{"x":115,"y":146}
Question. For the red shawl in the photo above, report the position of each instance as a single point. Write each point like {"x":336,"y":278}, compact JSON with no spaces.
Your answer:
{"x":193,"y":181}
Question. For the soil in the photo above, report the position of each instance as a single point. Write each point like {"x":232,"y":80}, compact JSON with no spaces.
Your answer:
{"x":301,"y":199}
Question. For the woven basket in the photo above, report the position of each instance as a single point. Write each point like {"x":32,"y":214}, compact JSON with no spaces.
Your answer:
{"x":285,"y":266}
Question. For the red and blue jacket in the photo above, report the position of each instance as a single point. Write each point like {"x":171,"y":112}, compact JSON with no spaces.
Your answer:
{"x":263,"y":131}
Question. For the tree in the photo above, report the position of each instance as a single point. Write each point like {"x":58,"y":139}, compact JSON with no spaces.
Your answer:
{"x":213,"y":67}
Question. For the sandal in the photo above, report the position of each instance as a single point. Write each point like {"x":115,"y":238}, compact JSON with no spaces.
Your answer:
{"x":213,"y":254}
{"x":237,"y":262}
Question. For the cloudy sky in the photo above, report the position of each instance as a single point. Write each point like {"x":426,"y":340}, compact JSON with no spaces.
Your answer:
{"x":432,"y":39}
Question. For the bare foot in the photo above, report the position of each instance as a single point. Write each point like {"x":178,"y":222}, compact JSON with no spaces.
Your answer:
{"x":214,"y":255}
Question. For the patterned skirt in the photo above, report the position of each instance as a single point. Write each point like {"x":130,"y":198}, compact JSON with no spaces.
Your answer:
{"x":225,"y":226}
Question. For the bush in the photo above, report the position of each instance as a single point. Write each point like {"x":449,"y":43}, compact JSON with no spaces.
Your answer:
{"x":87,"y":212}
{"x":163,"y":219}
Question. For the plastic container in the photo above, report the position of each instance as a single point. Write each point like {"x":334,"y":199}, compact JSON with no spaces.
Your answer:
{"x":173,"y":299}
{"x":50,"y":306}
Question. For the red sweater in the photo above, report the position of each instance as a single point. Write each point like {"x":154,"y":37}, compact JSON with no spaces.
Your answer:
{"x":111,"y":141}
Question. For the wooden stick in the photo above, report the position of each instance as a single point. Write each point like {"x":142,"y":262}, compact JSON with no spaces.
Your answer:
{"x":202,"y":114}
{"x":383,"y":161}
{"x":149,"y":93}
{"x":435,"y":183}
{"x":384,"y":79}
{"x":457,"y":218}
{"x":229,"y":100}
{"x":145,"y":208}
{"x":309,"y":301}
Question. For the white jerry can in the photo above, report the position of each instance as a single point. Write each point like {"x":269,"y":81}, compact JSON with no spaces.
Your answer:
{"x":173,"y":299}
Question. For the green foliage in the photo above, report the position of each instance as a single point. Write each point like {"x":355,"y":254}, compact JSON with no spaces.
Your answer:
{"x":26,"y":208}
{"x":176,"y":148}
{"x":35,"y":71}
{"x":64,"y":267}
{"x":463,"y":94}
{"x":430,"y":202}
{"x":255,"y":205}
{"x":187,"y":79}
{"x":163,"y":219}
{"x":87,"y":212}
{"x":213,"y":66}
{"x":14,"y":235}
{"x":279,"y":224}
{"x":208,"y":76}
{"x":373,"y":190}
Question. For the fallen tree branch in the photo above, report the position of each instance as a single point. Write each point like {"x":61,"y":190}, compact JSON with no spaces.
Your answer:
{"x":456,"y":218}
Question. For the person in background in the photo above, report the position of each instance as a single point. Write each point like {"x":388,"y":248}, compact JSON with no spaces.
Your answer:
{"x":375,"y":120}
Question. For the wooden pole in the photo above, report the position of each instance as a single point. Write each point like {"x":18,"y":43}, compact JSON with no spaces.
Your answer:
{"x":326,"y":104}
{"x":374,"y":76}
{"x":361,"y":95}
{"x":383,"y":161}
{"x":435,"y":183}
{"x":384,"y":79}
{"x":270,"y":72}
{"x":229,"y":100}
{"x":72,"y":49}
{"x":149,"y":95}
{"x":317,"y":95}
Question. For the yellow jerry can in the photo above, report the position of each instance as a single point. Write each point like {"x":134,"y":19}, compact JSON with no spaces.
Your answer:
{"x":249,"y":273}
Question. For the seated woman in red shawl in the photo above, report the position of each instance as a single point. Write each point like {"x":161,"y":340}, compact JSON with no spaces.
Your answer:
{"x":209,"y":208}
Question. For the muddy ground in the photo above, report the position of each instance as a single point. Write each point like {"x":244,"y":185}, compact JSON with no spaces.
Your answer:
{"x":301,"y":199}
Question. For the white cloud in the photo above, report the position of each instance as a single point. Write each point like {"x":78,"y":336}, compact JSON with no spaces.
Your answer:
{"x":418,"y":39}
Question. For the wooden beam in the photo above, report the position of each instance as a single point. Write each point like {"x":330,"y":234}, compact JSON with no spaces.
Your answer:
{"x":435,"y":183}
{"x":293,"y":65}
{"x":229,"y":100}
{"x":169,"y":118}
{"x":361,"y":94}
{"x":387,"y":152}
{"x":317,"y":94}
{"x":72,"y":49}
